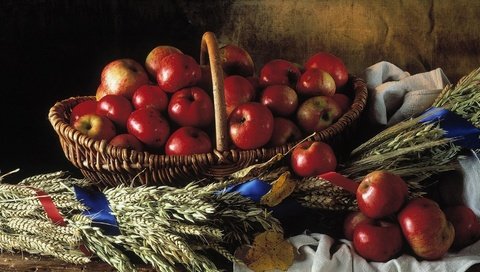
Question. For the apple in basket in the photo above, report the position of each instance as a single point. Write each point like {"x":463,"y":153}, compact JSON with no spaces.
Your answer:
{"x":152,"y":62}
{"x":178,"y":71}
{"x":82,"y":108}
{"x":236,"y":61}
{"x":352,"y":220}
{"x":96,"y":127}
{"x":378,"y":240}
{"x":343,"y":101}
{"x":381,"y":194}
{"x":150,"y":127}
{"x":315,"y":82}
{"x":280,"y":99}
{"x":188,"y":141}
{"x":127,"y":141}
{"x":150,"y":96}
{"x":191,"y":107}
{"x":426,"y":228}
{"x":318,"y":113}
{"x":312,"y":158}
{"x":237,"y":90}
{"x":205,"y":81}
{"x":250,"y":125}
{"x":331,"y":64}
{"x":117,"y":108}
{"x":284,"y":131}
{"x":122,"y":77}
{"x":465,"y":223}
{"x":279,"y":72}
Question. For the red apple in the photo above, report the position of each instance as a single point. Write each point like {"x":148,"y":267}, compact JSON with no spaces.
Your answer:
{"x":237,"y":90}
{"x":352,"y":220}
{"x":280,"y":99}
{"x":284,"y":131}
{"x":150,"y":96}
{"x":331,"y":64}
{"x":149,"y":126}
{"x":343,"y":101}
{"x":82,"y":108}
{"x":379,"y":241}
{"x":191,"y":107}
{"x":312,"y":158}
{"x":381,"y":193}
{"x":121,"y":77}
{"x":318,"y":113}
{"x":178,"y":71}
{"x":279,"y":72}
{"x":236,"y":61}
{"x":315,"y":82}
{"x":187,"y":141}
{"x":127,"y":141}
{"x":205,"y":81}
{"x":117,"y":108}
{"x":152,"y":62}
{"x":426,"y":229}
{"x":465,"y":223}
{"x":250,"y":125}
{"x":96,"y":127}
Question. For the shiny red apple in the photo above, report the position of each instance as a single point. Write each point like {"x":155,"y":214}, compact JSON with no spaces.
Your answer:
{"x":178,"y":71}
{"x":312,"y":158}
{"x":237,"y":90}
{"x":150,"y":96}
{"x":465,"y":223}
{"x":352,"y":220}
{"x":191,"y":107}
{"x":117,"y":108}
{"x":127,"y":141}
{"x":82,"y":108}
{"x":315,"y":82}
{"x":280,"y":99}
{"x":426,"y":228}
{"x":236,"y":61}
{"x":331,"y":64}
{"x":379,"y":241}
{"x":284,"y":131}
{"x":96,"y":127}
{"x":154,"y":57}
{"x":381,"y":193}
{"x":150,"y":127}
{"x":250,"y":125}
{"x":279,"y":72}
{"x":121,"y":77}
{"x":187,"y":141}
{"x":318,"y":113}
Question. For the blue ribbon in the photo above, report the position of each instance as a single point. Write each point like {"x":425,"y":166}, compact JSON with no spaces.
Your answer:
{"x":97,"y":209}
{"x":255,"y":189}
{"x":465,"y":133}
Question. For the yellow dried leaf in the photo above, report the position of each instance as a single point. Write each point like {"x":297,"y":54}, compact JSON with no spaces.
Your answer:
{"x":270,"y":251}
{"x":256,"y":169}
{"x":281,"y":189}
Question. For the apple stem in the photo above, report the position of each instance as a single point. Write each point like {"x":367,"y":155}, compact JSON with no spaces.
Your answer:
{"x":301,"y":141}
{"x":341,"y":181}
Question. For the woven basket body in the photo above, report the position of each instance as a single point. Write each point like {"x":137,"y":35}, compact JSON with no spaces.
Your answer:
{"x":111,"y":166}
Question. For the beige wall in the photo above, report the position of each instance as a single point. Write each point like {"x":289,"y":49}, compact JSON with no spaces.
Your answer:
{"x":414,"y":34}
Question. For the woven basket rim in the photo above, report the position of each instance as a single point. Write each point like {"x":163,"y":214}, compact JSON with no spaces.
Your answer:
{"x":59,"y":118}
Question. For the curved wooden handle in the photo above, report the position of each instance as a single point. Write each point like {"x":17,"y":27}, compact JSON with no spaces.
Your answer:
{"x":209,"y":48}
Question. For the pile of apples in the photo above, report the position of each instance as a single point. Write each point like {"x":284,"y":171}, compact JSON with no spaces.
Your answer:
{"x":166,"y":106}
{"x":388,"y":217}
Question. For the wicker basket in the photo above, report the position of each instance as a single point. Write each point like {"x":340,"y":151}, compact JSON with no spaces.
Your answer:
{"x":111,"y":166}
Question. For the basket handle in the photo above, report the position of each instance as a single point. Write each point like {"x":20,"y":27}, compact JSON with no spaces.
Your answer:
{"x":209,"y":48}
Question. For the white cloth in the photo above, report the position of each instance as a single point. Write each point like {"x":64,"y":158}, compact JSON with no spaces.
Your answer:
{"x":315,"y":256}
{"x":395,"y":95}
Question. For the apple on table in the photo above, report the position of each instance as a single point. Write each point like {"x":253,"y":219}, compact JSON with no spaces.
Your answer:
{"x":312,"y":158}
{"x":465,"y":223}
{"x":352,"y":220}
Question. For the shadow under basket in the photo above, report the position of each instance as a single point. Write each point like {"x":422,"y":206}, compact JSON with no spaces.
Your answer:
{"x":110,"y":166}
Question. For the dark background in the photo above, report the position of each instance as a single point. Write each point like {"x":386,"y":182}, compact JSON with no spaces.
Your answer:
{"x":52,"y":50}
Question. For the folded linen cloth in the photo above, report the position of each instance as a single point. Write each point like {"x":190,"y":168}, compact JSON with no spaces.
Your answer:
{"x":395,"y":95}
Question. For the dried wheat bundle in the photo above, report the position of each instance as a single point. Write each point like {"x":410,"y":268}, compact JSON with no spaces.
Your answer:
{"x":415,"y":149}
{"x":163,"y":226}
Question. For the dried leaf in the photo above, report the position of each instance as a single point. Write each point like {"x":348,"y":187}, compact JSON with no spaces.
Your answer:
{"x":281,"y":189}
{"x":270,"y":251}
{"x":256,"y":169}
